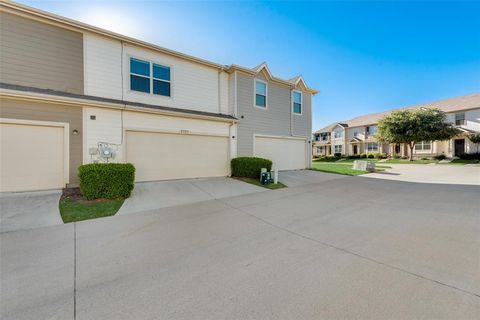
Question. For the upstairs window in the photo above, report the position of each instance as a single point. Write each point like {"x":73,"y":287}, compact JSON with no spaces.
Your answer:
{"x":371,"y":130}
{"x":297,"y":102}
{"x":161,"y":80}
{"x":460,"y":119}
{"x":139,"y":75}
{"x":337,"y":134}
{"x":149,"y":77}
{"x":260,"y":94}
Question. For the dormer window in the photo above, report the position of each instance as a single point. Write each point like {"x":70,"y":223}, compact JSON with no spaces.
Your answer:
{"x":297,"y":102}
{"x":260,"y":94}
{"x":149,"y":77}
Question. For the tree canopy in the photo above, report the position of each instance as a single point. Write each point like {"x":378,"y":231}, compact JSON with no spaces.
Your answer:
{"x":411,"y":126}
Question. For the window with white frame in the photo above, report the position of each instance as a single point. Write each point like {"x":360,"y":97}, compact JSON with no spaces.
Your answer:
{"x":260,"y":94}
{"x":372,"y":147}
{"x":338,"y":148}
{"x":423,"y":146}
{"x":460,"y":118}
{"x":371,"y":130}
{"x":297,"y":102}
{"x":149,"y":77}
{"x":337,"y":134}
{"x":356,"y":132}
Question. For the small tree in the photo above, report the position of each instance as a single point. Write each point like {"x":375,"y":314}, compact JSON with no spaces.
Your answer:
{"x":475,"y":138}
{"x":413,"y":126}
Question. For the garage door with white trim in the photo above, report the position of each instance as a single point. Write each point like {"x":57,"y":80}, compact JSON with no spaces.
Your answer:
{"x":286,"y":153}
{"x":162,"y":156}
{"x":31,"y":157}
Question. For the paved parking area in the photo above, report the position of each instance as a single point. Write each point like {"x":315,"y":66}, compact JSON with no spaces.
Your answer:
{"x":437,"y":173}
{"x":161,"y":194}
{"x":27,"y":210}
{"x":342,"y":248}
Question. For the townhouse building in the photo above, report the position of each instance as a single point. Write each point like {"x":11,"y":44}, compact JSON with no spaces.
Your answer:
{"x":72,"y":93}
{"x":357,"y":135}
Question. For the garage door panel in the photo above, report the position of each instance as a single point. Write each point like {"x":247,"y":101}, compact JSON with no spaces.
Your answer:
{"x":162,"y":156}
{"x":31,"y":157}
{"x":286,"y":153}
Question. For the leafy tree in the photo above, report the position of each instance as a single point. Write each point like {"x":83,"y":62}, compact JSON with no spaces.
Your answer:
{"x":411,"y":126}
{"x":475,"y":138}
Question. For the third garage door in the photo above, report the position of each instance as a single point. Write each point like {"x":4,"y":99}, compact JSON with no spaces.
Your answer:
{"x":162,"y":156}
{"x":286,"y":153}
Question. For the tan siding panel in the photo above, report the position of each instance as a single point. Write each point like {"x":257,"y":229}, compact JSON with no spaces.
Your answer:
{"x":40,"y":55}
{"x":28,"y":110}
{"x":275,"y":120}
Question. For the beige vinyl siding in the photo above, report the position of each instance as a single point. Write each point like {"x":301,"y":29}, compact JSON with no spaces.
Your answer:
{"x":39,"y":111}
{"x":40,"y":55}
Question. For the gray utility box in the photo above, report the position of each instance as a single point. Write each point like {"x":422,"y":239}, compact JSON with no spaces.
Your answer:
{"x":364,"y":165}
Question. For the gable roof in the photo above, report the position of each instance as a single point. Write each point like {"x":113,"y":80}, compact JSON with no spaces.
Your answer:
{"x":21,"y":9}
{"x":467,"y":102}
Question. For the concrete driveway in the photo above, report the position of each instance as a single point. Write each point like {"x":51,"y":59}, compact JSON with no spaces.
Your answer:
{"x":434,"y":173}
{"x":27,"y":210}
{"x":343,"y":248}
{"x":162,"y":194}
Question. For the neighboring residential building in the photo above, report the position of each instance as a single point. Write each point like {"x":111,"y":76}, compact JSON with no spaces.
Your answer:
{"x":357,"y":136}
{"x":71,"y":94}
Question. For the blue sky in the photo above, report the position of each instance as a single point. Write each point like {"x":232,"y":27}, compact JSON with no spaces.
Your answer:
{"x":363,"y":56}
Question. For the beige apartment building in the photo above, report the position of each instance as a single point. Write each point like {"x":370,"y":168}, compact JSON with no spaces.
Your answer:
{"x":357,"y":135}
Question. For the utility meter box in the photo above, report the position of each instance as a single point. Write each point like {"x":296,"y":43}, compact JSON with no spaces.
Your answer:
{"x":266,"y":178}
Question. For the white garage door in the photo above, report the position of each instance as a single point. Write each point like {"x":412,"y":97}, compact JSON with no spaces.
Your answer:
{"x":161,"y":156}
{"x":31,"y":157}
{"x":286,"y":153}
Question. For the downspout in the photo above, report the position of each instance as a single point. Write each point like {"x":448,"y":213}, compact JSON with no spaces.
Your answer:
{"x":291,"y":111}
{"x":219,"y":98}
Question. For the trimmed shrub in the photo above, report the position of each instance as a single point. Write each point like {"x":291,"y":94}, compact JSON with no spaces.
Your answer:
{"x":441,"y":157}
{"x":249,"y":167}
{"x":353,"y":156}
{"x":370,"y":156}
{"x":470,"y":156}
{"x":363,"y":155}
{"x":337,"y":155}
{"x":106,"y":180}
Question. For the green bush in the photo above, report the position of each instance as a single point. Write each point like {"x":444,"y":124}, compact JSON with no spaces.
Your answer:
{"x":337,"y":155}
{"x":249,"y":167}
{"x":370,"y":156}
{"x":106,"y":180}
{"x":353,"y":156}
{"x":470,"y":156}
{"x":441,"y":157}
{"x":363,"y":155}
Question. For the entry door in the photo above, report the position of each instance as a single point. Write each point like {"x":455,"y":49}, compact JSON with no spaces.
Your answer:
{"x":459,"y":146}
{"x":355,"y":149}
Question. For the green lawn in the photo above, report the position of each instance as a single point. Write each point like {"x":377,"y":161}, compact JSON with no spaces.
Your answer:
{"x":78,"y":209}
{"x":401,"y":161}
{"x":256,"y":182}
{"x":340,"y":168}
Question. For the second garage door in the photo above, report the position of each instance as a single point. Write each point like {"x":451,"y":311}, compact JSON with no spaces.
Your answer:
{"x":286,"y":153}
{"x":162,"y":156}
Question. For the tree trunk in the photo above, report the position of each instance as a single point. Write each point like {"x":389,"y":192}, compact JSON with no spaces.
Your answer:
{"x":412,"y":145}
